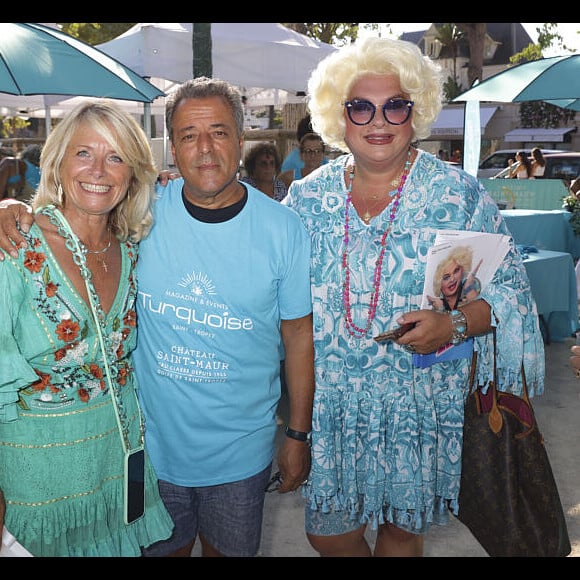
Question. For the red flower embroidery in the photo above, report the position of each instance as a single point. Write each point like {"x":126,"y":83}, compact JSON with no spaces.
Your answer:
{"x":42,"y":383}
{"x":51,"y":289}
{"x":34,"y":260}
{"x":96,"y":371}
{"x":67,"y":330}
{"x":90,"y":375}
{"x":130,"y":318}
{"x":60,"y":354}
{"x":122,"y":376}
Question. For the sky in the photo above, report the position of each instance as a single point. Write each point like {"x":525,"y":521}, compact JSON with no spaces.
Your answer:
{"x":568,"y":30}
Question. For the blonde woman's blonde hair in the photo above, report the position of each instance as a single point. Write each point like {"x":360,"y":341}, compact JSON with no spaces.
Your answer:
{"x":331,"y":80}
{"x":132,"y":218}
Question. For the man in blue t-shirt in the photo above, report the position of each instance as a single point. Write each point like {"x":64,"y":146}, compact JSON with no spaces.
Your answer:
{"x":224,"y":281}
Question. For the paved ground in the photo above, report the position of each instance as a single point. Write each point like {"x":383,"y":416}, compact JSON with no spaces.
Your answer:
{"x":558,"y":414}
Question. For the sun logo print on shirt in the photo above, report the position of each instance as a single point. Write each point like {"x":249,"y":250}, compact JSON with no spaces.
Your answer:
{"x":198,"y":284}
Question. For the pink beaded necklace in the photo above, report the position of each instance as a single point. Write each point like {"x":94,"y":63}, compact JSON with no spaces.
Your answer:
{"x":354,"y":330}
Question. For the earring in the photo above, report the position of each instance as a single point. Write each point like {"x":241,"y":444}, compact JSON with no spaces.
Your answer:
{"x":59,"y":194}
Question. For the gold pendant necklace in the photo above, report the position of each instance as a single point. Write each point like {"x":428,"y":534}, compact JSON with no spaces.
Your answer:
{"x":102,"y":262}
{"x":394,"y":184}
{"x":99,"y":254}
{"x":367,"y":216}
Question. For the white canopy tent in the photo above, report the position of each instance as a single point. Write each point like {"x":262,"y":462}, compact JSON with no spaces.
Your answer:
{"x":25,"y":106}
{"x":246,"y":54}
{"x":56,"y":106}
{"x":264,"y":55}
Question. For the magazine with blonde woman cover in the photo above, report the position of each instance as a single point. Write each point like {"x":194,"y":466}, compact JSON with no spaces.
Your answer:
{"x":466,"y":262}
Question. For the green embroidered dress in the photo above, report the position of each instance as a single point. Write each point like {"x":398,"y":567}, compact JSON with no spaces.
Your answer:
{"x":61,"y":452}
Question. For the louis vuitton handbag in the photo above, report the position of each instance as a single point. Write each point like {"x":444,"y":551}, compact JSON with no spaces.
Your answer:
{"x":508,"y":497}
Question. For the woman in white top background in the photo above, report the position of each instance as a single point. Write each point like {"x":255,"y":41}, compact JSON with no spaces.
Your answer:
{"x":538,"y":164}
{"x":522,"y":168}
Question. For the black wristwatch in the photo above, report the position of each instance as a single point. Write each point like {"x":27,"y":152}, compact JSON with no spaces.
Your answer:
{"x":298,"y":435}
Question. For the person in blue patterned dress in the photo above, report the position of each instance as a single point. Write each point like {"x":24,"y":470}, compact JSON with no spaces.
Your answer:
{"x":386,"y":434}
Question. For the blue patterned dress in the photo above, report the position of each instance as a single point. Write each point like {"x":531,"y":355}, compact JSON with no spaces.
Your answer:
{"x":387,"y":436}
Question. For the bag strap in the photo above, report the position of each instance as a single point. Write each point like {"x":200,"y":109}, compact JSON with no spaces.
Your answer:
{"x":472,"y":371}
{"x":495,"y":419}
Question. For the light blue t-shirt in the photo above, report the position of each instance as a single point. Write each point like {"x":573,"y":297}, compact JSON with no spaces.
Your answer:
{"x":294,"y":161}
{"x":32,"y":174}
{"x":211,"y":297}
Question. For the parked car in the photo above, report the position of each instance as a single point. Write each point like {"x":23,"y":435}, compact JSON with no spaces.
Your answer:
{"x":494,"y":163}
{"x":564,"y":165}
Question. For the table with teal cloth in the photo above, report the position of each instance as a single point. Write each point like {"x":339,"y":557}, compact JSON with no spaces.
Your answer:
{"x":553,"y":283}
{"x":545,"y":230}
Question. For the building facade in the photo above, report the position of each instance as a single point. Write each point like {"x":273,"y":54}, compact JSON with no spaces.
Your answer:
{"x":501,"y":126}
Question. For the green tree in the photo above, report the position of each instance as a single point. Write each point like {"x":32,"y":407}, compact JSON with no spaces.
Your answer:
{"x":548,"y":37}
{"x":449,"y":35}
{"x":9,"y":126}
{"x":95,"y":32}
{"x":539,"y":113}
{"x":337,"y":33}
{"x":475,"y":32}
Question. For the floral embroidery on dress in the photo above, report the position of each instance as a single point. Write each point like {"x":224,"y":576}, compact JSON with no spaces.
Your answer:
{"x":72,"y":377}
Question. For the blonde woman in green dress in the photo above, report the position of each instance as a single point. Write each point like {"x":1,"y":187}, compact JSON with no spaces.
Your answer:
{"x":69,"y":415}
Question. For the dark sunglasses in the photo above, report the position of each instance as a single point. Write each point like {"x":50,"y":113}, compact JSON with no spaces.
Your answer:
{"x":395,"y":111}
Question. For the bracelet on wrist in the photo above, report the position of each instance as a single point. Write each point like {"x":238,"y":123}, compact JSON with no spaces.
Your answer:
{"x":459,"y":322}
{"x":298,"y":435}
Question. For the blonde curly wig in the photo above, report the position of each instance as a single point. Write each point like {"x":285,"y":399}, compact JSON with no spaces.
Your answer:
{"x":330,"y":83}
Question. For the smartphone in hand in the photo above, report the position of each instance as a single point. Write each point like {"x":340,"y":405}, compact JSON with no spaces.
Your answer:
{"x":394,"y":333}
